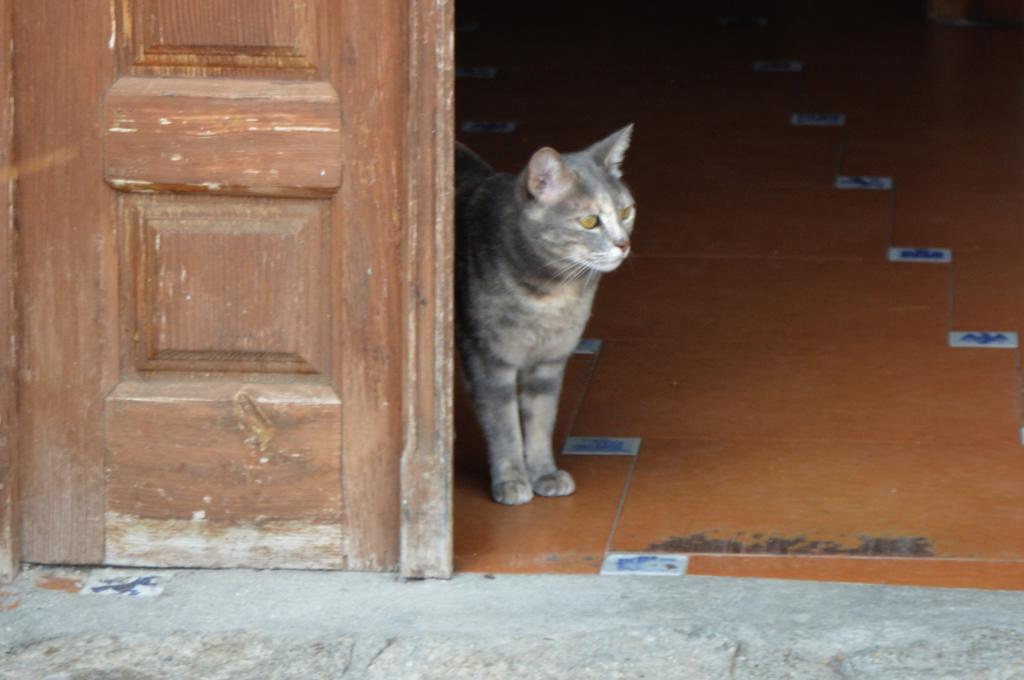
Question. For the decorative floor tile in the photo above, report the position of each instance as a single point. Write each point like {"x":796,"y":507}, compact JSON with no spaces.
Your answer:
{"x":588,"y":346}
{"x":634,"y":564}
{"x":476,"y":72}
{"x":126,"y":585}
{"x":778,"y":66}
{"x":602,"y":446}
{"x":933,"y":255}
{"x":864,"y":182}
{"x":817,"y":119}
{"x":983,"y":339}
{"x":493,"y":127}
{"x":742,"y":21}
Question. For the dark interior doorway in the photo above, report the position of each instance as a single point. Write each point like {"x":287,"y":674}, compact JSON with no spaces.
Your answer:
{"x":803,"y":410}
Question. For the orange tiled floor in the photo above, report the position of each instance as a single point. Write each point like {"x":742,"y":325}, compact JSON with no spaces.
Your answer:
{"x":802,"y":414}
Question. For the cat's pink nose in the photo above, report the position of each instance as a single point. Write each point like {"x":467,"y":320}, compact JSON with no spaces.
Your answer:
{"x":623,"y":245}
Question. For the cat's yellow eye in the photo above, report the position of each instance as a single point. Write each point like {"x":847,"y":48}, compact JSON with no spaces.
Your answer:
{"x":589,"y":222}
{"x":627,"y":212}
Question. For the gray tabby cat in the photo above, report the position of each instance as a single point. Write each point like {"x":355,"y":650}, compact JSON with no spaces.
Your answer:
{"x":530,"y":249}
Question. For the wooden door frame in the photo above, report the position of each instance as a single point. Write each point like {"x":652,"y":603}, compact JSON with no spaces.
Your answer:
{"x":426,"y":471}
{"x":426,"y":464}
{"x":9,"y":526}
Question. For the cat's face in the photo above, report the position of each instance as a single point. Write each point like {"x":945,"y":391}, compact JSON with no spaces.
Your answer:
{"x":578,"y":211}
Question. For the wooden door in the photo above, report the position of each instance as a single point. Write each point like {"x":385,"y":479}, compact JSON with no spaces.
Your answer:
{"x":218,"y":360}
{"x":9,"y":538}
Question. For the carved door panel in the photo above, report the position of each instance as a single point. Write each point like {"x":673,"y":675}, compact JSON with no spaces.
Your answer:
{"x":211,"y":281}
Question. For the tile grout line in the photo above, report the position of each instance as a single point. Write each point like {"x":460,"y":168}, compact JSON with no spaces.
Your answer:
{"x":891,"y":235}
{"x":798,"y":89}
{"x":622,"y":504}
{"x":1020,"y":396}
{"x":841,"y":151}
{"x":767,"y":258}
{"x":771,"y":439}
{"x":571,"y":425}
{"x":951,"y":287}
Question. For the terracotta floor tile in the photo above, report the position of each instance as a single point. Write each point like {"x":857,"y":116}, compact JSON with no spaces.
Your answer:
{"x":702,"y":304}
{"x":941,"y":216}
{"x":880,"y":97}
{"x":768,"y":155}
{"x":860,"y":42}
{"x":947,"y":500}
{"x":772,"y":222}
{"x":933,"y":573}
{"x":876,"y":390}
{"x":551,"y":535}
{"x":989,"y":289}
{"x":564,"y":535}
{"x":943,"y":160}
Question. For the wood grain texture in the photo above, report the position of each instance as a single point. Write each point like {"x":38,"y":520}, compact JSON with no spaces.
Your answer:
{"x":371,"y":78}
{"x":229,"y":474}
{"x":427,"y":464}
{"x":224,"y":37}
{"x":225,"y":284}
{"x":224,"y":136}
{"x":9,"y":539}
{"x":67,"y":283}
{"x":223,"y":544}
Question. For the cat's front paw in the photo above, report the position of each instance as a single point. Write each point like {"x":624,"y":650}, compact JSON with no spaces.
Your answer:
{"x":515,"y":492}
{"x":558,"y":483}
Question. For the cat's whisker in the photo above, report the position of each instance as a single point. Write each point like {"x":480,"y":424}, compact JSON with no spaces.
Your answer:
{"x":564,"y":258}
{"x":587,"y":269}
{"x":576,"y":268}
{"x":580,"y":271}
{"x":567,"y":271}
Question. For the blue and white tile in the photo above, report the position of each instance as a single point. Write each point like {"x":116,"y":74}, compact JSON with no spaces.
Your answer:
{"x":588,"y":346}
{"x":818,"y":119}
{"x":929,"y":255}
{"x":639,"y":564}
{"x":134,"y":584}
{"x":742,"y":21}
{"x":984,"y":339}
{"x":778,"y":66}
{"x":864,"y":182}
{"x":476,"y":72}
{"x":489,"y":127}
{"x":602,"y":446}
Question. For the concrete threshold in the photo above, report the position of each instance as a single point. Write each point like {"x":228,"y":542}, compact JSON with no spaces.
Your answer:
{"x":288,"y":624}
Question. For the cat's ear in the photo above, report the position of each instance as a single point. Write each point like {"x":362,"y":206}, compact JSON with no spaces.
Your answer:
{"x":547,"y":176}
{"x":611,"y":151}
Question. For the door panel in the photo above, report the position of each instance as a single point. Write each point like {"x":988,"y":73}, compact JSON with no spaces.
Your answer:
{"x":238,"y":280}
{"x":225,"y":285}
{"x":285,"y":38}
{"x":224,"y":474}
{"x":226,"y":136}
